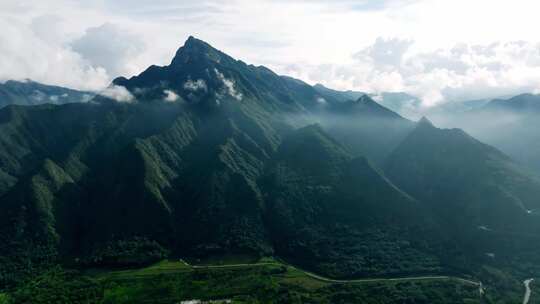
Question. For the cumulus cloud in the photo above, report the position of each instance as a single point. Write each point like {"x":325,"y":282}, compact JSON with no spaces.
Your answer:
{"x":73,"y":43}
{"x":229,"y":85}
{"x":118,"y":93}
{"x":385,"y":53}
{"x":171,"y":96}
{"x":25,"y":54}
{"x":474,"y":71}
{"x":110,"y":47}
{"x":48,"y":28}
{"x":196,"y":85}
{"x":461,"y":72}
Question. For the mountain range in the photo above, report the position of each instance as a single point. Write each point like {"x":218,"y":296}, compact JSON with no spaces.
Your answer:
{"x":213,"y":156}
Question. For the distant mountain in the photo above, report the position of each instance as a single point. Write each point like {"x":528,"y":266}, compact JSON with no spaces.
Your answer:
{"x":33,"y":93}
{"x":402,"y":103}
{"x":411,"y":107}
{"x":364,"y":106}
{"x":366,"y":127}
{"x":399,"y":102}
{"x":457,"y":107}
{"x":508,"y":124}
{"x":472,"y":187}
{"x":523,"y":103}
{"x":341,"y":96}
{"x":431,"y":164}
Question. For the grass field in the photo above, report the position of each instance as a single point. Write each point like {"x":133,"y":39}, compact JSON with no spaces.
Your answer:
{"x":4,"y":299}
{"x":264,"y":281}
{"x":268,"y":281}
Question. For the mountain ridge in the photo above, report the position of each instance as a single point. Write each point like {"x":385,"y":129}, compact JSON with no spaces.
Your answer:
{"x":196,"y":177}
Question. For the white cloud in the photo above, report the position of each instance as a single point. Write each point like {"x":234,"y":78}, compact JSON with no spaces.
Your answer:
{"x":463,"y":71}
{"x":111,"y":47}
{"x":385,"y":53}
{"x":171,"y":96}
{"x":320,"y":100}
{"x":474,"y":71}
{"x":229,"y":85}
{"x":196,"y":85}
{"x":84,"y":44}
{"x":118,"y":93}
{"x":23,"y":54}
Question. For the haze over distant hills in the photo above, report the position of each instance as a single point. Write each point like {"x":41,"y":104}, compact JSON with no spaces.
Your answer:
{"x":520,"y":103}
{"x":33,"y":93}
{"x":509,"y":124}
{"x":212,"y":156}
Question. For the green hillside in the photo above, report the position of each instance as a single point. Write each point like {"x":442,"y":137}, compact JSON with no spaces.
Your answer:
{"x":482,"y":198}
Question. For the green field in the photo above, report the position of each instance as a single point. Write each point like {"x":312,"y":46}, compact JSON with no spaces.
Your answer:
{"x":265,"y":281}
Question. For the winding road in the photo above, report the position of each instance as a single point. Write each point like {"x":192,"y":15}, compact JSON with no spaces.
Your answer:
{"x":527,"y":295}
{"x":329,"y":280}
{"x":481,"y":290}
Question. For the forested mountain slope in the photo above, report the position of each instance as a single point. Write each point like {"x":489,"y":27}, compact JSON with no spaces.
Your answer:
{"x":213,"y":157}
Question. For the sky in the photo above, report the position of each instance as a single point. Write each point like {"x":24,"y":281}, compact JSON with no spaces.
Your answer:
{"x":440,"y":51}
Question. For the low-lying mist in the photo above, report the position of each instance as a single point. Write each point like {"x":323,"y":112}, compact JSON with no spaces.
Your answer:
{"x":364,"y":134}
{"x":515,"y":133}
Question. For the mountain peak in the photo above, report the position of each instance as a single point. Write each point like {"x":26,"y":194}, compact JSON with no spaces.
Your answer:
{"x":196,"y":49}
{"x":194,"y":42}
{"x":365,"y":99}
{"x":424,"y":121}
